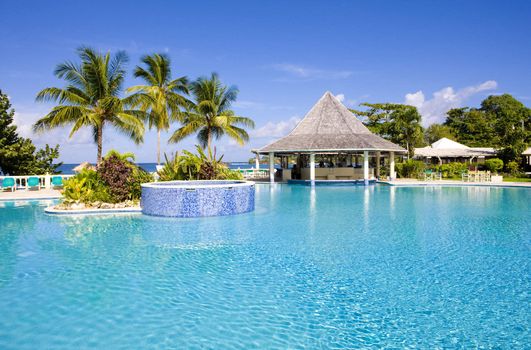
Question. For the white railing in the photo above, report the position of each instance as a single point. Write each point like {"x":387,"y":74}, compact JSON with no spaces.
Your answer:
{"x":254,"y":174}
{"x":45,"y":181}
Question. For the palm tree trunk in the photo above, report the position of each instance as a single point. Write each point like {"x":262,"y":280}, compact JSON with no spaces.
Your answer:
{"x":209,"y":139}
{"x":158,"y":147}
{"x":100,"y":142}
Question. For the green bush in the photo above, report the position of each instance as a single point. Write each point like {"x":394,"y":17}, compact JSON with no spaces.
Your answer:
{"x":512,"y":168}
{"x":225,"y":173}
{"x":86,"y":187}
{"x":384,"y":171}
{"x":116,"y":179}
{"x":494,"y":164}
{"x":200,"y":166}
{"x":452,"y":170}
{"x":138,"y":177}
{"x":410,"y":169}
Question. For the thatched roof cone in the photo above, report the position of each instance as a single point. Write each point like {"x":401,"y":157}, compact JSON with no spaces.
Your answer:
{"x":329,"y":126}
{"x":82,"y":166}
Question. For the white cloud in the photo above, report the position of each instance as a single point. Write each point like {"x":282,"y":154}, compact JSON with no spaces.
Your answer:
{"x":307,"y":73}
{"x":278,"y":129}
{"x":253,"y":105}
{"x":348,"y":101}
{"x":434,"y":110}
{"x":340,"y":97}
{"x":248,"y":104}
{"x":25,"y":120}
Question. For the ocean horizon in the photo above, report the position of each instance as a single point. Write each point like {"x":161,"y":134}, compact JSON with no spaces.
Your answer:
{"x":68,"y":168}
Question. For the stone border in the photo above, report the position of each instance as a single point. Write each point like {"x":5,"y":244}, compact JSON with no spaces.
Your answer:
{"x":93,"y":211}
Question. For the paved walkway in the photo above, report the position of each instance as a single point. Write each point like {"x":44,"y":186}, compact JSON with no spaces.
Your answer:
{"x":412,"y":182}
{"x":22,"y":194}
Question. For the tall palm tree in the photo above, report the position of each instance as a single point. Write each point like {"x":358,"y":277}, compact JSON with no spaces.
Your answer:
{"x":210,"y":115}
{"x":161,"y":96}
{"x":91,"y":98}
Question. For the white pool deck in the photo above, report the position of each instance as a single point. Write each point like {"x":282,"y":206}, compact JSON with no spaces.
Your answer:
{"x":413,"y":183}
{"x":29,"y":195}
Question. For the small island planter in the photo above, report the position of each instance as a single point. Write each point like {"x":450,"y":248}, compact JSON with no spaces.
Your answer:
{"x":197,"y":198}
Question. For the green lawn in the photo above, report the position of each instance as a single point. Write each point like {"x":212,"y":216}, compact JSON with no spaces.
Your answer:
{"x":516,"y":179}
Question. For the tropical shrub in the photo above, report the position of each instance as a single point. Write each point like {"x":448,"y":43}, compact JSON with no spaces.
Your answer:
{"x":224,"y":173}
{"x":452,"y":170}
{"x":512,"y":168}
{"x":410,"y":168}
{"x":86,"y":187}
{"x":200,"y":166}
{"x":116,"y":172}
{"x":494,"y":164}
{"x":137,"y":178}
{"x":116,"y":179}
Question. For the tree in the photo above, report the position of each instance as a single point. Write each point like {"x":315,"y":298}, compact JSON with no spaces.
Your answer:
{"x":395,"y":122}
{"x":210,"y":115}
{"x":501,"y":122}
{"x":471,"y":127}
{"x":161,"y":96}
{"x":512,"y":125}
{"x":436,"y":132}
{"x":18,"y":155}
{"x":91,"y":98}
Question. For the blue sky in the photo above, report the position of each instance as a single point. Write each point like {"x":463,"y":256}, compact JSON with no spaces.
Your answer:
{"x":282,"y":55}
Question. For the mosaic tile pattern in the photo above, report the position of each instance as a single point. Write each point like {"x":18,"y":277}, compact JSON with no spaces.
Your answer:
{"x":197,"y":198}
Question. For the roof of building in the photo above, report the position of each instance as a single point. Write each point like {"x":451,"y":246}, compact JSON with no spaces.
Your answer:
{"x":329,"y":126}
{"x":449,"y":148}
{"x":446,"y":143}
{"x":527,"y":152}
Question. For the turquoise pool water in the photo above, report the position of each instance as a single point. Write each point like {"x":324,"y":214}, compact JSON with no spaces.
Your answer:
{"x":341,"y":268}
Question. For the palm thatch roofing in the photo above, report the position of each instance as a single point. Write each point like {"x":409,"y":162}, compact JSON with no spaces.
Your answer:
{"x":445,"y":147}
{"x":330,"y":127}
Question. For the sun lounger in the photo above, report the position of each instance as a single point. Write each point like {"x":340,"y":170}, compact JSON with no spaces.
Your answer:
{"x":57,"y":182}
{"x":8,"y":183}
{"x":33,"y":182}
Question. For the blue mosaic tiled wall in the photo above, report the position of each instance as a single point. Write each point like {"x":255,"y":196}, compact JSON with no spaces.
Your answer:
{"x":164,"y":200}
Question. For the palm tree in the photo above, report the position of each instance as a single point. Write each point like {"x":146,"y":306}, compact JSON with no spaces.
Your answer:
{"x":161,"y":95}
{"x":91,"y":98}
{"x":210,"y":115}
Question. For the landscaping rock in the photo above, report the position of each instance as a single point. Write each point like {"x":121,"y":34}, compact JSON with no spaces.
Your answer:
{"x":77,"y":206}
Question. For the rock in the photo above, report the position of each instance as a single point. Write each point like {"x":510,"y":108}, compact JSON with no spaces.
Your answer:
{"x":96,"y":204}
{"x":106,"y":206}
{"x":77,"y":206}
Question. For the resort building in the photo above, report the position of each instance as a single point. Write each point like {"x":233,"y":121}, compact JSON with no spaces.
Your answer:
{"x":330,"y":144}
{"x":527,"y":158}
{"x":447,"y":151}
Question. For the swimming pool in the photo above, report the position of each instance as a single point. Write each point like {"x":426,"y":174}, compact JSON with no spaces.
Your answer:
{"x":323,"y":268}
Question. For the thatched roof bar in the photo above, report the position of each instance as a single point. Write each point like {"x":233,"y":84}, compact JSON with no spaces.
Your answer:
{"x":330,"y":127}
